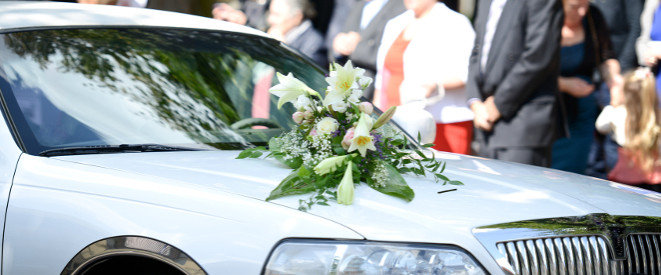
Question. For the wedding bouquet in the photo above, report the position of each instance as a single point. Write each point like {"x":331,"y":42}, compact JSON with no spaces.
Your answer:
{"x":337,"y":143}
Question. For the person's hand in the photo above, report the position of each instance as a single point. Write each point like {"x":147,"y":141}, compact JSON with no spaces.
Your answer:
{"x":575,"y":86}
{"x":481,"y":116}
{"x":225,"y":12}
{"x":492,"y":110}
{"x":617,"y":90}
{"x":345,"y":42}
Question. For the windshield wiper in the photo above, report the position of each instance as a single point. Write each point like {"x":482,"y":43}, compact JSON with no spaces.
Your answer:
{"x":109,"y":149}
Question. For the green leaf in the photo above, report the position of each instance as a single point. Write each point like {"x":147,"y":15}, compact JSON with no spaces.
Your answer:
{"x":455,"y":182}
{"x":442,"y":177}
{"x":396,"y":186}
{"x":304,"y":172}
{"x":291,"y":185}
{"x":275,"y":144}
{"x":428,"y":145}
{"x":293,"y":163}
{"x":251,"y":153}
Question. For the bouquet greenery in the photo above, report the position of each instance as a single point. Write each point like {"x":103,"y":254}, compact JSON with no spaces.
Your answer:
{"x":337,"y":143}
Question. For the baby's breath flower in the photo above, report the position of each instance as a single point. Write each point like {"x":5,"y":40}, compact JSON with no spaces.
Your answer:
{"x":380,"y":174}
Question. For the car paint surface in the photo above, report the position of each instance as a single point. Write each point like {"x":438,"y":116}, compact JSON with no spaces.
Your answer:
{"x":205,"y":193}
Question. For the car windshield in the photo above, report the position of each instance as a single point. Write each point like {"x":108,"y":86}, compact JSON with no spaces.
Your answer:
{"x":175,"y":87}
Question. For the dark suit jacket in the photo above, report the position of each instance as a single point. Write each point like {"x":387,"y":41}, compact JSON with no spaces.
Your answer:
{"x":521,"y":72}
{"x":311,"y":44}
{"x":623,"y":19}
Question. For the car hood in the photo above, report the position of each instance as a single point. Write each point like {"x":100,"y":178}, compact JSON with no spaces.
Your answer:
{"x":494,"y":192}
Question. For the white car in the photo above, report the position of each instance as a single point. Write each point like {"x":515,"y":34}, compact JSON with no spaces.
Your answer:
{"x":118,"y":147}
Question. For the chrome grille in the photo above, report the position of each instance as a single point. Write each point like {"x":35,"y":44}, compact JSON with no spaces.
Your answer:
{"x":588,"y":255}
{"x":644,"y":253}
{"x":583,"y":255}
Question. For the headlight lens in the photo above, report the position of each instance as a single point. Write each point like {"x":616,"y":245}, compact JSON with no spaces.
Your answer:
{"x":303,"y":257}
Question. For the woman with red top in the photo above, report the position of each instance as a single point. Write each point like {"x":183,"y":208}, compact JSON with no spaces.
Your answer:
{"x":422,"y":64}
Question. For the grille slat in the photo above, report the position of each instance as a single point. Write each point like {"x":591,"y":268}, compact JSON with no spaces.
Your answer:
{"x":657,"y":258}
{"x":603,"y":252}
{"x":543,"y":257}
{"x":583,"y":255}
{"x":595,"y":259}
{"x":523,"y":253}
{"x":578,"y":252}
{"x":534,"y":259}
{"x":571,"y":260}
{"x":643,"y":253}
{"x":553,"y":259}
{"x":650,"y":252}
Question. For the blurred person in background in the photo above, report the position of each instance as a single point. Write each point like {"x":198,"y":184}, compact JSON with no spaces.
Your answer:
{"x":635,"y":122}
{"x":422,"y":66}
{"x":361,"y":35}
{"x":251,"y":13}
{"x":623,"y":20}
{"x":648,"y":45}
{"x":586,"y":49}
{"x":289,"y":21}
{"x":254,"y":13}
{"x":513,"y":80}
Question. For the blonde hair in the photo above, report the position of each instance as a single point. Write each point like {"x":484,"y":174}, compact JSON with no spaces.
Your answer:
{"x":643,"y":124}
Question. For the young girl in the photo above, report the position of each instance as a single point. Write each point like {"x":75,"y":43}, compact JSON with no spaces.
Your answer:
{"x":636,"y":125}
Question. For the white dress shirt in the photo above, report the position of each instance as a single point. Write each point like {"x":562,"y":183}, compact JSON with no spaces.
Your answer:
{"x":441,"y":49}
{"x":495,"y":11}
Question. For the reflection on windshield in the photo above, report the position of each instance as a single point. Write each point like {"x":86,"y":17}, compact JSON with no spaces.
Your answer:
{"x":128,"y":86}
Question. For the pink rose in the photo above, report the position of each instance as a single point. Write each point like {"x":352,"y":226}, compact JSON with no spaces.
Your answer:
{"x":348,"y":137}
{"x":298,"y":117}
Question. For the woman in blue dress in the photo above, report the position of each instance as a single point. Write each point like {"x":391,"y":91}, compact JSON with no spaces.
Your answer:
{"x":648,"y":45}
{"x":586,"y":49}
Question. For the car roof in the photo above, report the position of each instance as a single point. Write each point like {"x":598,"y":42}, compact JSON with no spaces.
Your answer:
{"x":18,"y":15}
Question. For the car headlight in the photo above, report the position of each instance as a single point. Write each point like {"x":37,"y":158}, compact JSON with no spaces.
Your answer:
{"x":304,"y":257}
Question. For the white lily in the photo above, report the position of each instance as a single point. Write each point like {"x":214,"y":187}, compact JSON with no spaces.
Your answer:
{"x":329,"y":165}
{"x":290,"y":88}
{"x":345,"y":190}
{"x":362,"y":139}
{"x":343,"y":81}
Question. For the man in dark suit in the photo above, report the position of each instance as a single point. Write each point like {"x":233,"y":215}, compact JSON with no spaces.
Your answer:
{"x":360,"y":41}
{"x":512,"y":85}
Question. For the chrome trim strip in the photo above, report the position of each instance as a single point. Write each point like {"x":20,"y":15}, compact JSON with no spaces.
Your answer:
{"x":132,"y":245}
